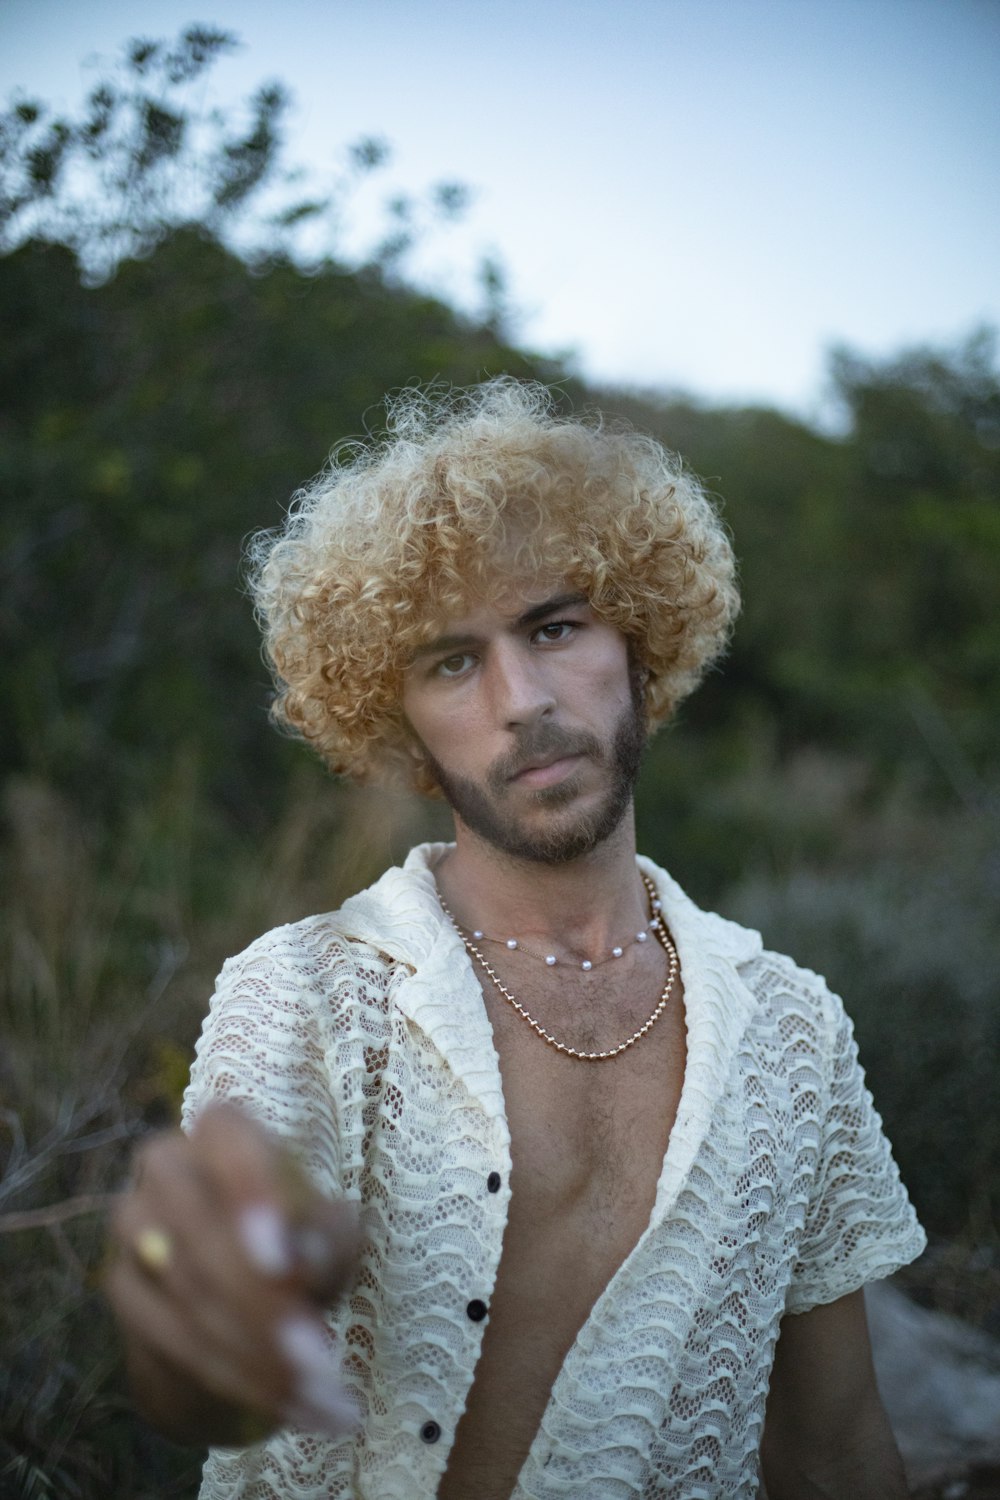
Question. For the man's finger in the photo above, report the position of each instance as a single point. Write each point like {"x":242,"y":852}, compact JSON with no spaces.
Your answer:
{"x":326,"y":1244}
{"x":285,"y":1227}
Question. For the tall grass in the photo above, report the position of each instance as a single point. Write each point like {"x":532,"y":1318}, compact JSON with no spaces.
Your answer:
{"x":901,"y":912}
{"x":109,"y":943}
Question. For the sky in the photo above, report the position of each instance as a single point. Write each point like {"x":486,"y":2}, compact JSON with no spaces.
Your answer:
{"x":699,"y":195}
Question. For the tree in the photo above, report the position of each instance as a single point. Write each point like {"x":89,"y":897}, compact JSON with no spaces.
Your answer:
{"x":145,"y":158}
{"x":922,"y":535}
{"x":139,"y":162}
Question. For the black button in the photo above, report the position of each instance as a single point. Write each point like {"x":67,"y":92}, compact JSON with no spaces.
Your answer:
{"x":476,"y":1310}
{"x":493,"y":1182}
{"x":430,"y":1432}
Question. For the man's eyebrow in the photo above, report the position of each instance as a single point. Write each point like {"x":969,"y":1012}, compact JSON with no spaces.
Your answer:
{"x":444,"y":643}
{"x":549,"y":607}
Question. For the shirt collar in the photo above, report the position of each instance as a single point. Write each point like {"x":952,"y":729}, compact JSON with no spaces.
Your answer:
{"x":400,"y":916}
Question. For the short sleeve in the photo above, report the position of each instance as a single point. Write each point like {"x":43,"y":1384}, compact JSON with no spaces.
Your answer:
{"x":860,"y":1224}
{"x":261,"y":1048}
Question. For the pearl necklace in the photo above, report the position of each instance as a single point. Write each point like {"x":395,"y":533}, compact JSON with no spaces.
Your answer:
{"x":586,"y":964}
{"x":673,"y":964}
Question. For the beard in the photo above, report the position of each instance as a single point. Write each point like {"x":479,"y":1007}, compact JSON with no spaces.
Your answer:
{"x":481,"y":806}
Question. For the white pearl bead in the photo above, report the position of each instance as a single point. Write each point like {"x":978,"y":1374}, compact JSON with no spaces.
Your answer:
{"x":586,"y":964}
{"x":641,"y":937}
{"x":479,"y":936}
{"x":617,"y":952}
{"x":512,"y":943}
{"x":550,"y":959}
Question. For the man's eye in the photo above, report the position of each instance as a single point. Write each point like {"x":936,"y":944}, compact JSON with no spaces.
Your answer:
{"x":555,"y":630}
{"x":453,"y":666}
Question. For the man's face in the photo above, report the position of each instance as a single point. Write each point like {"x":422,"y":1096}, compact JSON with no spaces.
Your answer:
{"x":530,"y":718}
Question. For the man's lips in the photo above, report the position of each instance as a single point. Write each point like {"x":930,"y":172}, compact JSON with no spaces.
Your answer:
{"x":546,"y":772}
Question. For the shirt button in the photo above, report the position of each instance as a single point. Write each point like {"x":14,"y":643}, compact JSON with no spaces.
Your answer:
{"x":476,"y":1310}
{"x":430,"y":1432}
{"x":493,"y":1182}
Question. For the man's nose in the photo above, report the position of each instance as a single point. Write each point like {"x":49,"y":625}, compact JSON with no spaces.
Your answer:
{"x":520,"y":684}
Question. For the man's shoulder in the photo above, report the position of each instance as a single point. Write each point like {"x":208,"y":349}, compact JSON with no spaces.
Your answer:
{"x":779,"y":986}
{"x":395,"y":920}
{"x":784,"y":986}
{"x":310,"y":949}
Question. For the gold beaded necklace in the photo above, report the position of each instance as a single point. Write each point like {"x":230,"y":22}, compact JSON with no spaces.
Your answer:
{"x":673,"y":964}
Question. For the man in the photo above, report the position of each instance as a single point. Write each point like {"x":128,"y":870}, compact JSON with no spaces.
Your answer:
{"x":526,"y":1162}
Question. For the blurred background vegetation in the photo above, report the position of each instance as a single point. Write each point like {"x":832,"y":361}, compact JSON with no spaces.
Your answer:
{"x":171,"y":368}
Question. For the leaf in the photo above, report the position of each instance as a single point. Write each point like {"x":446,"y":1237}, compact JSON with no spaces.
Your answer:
{"x":451,"y":199}
{"x":368,"y":153}
{"x":198,"y":49}
{"x":162,"y":135}
{"x":142,"y":53}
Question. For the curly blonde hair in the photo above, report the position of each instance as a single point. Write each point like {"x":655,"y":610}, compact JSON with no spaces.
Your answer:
{"x":468,"y":488}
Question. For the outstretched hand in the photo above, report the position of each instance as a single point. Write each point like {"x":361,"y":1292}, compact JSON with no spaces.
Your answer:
{"x":224,"y":1256}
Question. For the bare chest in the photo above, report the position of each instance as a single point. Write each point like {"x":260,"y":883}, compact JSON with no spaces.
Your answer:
{"x":588,"y":1137}
{"x":587,"y":1145}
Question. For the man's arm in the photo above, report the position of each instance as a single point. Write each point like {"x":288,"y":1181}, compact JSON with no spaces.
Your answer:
{"x":826,"y":1434}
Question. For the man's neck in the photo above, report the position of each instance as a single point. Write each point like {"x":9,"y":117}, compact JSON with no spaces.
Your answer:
{"x":585,"y":903}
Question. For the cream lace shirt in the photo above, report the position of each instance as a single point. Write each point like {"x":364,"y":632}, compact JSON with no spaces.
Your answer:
{"x":361,"y":1037}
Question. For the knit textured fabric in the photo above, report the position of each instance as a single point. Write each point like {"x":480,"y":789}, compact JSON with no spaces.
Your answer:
{"x":361,"y":1038}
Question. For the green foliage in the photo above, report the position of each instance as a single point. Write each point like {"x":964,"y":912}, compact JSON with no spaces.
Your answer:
{"x":152,"y":422}
{"x":869,"y":562}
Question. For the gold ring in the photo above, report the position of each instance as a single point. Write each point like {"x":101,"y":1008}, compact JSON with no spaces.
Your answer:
{"x":154,"y":1250}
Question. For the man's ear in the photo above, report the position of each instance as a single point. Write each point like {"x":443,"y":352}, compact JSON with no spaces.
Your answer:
{"x":639,"y":675}
{"x":411,"y":743}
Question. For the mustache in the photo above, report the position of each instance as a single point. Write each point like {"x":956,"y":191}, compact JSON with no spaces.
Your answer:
{"x":541,"y":742}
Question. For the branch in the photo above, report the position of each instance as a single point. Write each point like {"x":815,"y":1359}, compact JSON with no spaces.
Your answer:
{"x":56,"y":1213}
